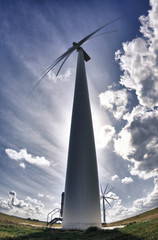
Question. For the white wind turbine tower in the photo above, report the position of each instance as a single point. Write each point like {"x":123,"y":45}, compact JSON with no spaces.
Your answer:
{"x":82,"y":200}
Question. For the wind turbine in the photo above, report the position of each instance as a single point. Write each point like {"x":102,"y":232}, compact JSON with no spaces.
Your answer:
{"x":104,"y":197}
{"x":82,"y":200}
{"x":76,"y":46}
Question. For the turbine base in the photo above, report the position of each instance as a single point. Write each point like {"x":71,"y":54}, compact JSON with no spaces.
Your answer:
{"x":80,"y":226}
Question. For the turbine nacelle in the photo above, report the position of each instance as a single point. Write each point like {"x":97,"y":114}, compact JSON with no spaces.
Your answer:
{"x":77,"y":47}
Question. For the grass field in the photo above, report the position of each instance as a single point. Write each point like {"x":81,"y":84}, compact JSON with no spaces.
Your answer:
{"x":141,"y":227}
{"x":141,"y":217}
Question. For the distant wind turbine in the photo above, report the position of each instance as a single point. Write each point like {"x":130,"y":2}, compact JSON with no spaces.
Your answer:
{"x":82,"y":200}
{"x":105,"y":199}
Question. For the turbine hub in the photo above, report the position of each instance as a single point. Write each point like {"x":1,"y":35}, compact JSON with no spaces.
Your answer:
{"x":76,"y":45}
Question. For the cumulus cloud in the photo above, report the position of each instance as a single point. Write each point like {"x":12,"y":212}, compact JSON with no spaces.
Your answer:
{"x":22,"y":165}
{"x":150,"y":201}
{"x":12,"y":193}
{"x":123,"y":144}
{"x":23,"y":208}
{"x":50,"y":197}
{"x":127,"y":180}
{"x":115,"y":177}
{"x":119,"y":211}
{"x":14,"y":202}
{"x":62,"y":77}
{"x":138,"y":142}
{"x":32,"y":200}
{"x":4,"y":204}
{"x":23,"y":155}
{"x":40,"y":195}
{"x":105,"y":135}
{"x":139,"y":60}
{"x":114,"y":101}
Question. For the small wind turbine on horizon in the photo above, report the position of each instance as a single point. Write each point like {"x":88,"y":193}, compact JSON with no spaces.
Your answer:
{"x":105,"y":200}
{"x":82,"y":200}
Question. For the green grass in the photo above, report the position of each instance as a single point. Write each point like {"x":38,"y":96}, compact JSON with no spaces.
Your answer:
{"x":7,"y":219}
{"x":147,"y":229}
{"x":141,"y":217}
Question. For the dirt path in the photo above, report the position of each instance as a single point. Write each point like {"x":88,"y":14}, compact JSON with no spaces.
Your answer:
{"x":103,"y":228}
{"x":113,"y":227}
{"x":29,"y":224}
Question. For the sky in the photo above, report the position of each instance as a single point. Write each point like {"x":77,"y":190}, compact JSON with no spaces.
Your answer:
{"x":122,"y":78}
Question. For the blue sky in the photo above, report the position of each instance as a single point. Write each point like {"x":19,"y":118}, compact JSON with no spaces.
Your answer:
{"x":122,"y":78}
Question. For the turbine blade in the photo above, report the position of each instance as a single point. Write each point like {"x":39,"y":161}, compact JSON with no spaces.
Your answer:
{"x":102,"y":34}
{"x":103,"y":26}
{"x":101,"y":190}
{"x":111,"y":198}
{"x":108,"y":202}
{"x":59,"y":58}
{"x":107,"y":207}
{"x":110,"y":190}
{"x":68,"y":55}
{"x":106,"y":188}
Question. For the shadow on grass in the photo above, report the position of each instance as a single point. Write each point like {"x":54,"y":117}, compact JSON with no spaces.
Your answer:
{"x":89,"y":234}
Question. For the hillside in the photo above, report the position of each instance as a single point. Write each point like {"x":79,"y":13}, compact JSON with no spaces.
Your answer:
{"x":4,"y":218}
{"x":7,"y":219}
{"x":141,"y":217}
{"x":140,"y":227}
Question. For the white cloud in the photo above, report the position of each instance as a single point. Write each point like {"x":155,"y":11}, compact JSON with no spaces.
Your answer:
{"x":22,"y":165}
{"x":139,"y":60}
{"x":57,"y":205}
{"x":4,"y":204}
{"x":138,"y":142}
{"x":46,"y":196}
{"x":32,"y":200}
{"x":115,"y":177}
{"x":23,"y":155}
{"x":114,"y":101}
{"x":13,"y":193}
{"x":127,"y":180}
{"x":123,"y":144}
{"x":23,"y":208}
{"x":105,"y":135}
{"x":50,"y":197}
{"x":14,"y":202}
{"x":150,"y":201}
{"x":62,"y":77}
{"x":40,"y":195}
{"x":119,"y":211}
